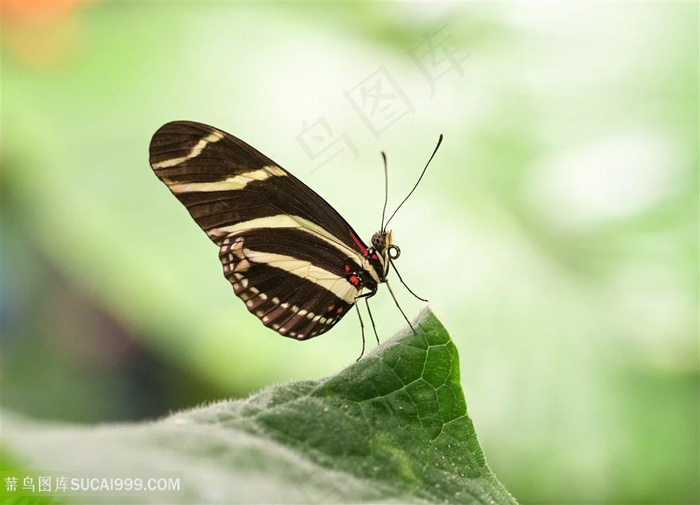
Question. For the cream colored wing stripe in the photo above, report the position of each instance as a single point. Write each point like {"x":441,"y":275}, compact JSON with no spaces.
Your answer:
{"x":232,"y":183}
{"x":194,"y":152}
{"x":283,"y":221}
{"x":304,"y":270}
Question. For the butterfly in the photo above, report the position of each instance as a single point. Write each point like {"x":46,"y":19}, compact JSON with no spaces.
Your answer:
{"x":295,"y":262}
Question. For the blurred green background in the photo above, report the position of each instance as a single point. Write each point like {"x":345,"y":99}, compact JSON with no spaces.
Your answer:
{"x":555,"y":234}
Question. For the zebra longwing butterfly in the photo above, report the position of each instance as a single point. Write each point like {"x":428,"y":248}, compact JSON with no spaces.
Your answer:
{"x":290,"y":256}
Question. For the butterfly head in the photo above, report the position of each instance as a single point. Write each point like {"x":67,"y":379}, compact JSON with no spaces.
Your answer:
{"x":381,"y":243}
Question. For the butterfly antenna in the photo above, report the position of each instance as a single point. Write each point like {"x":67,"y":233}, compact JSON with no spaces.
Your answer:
{"x":386,"y":189}
{"x":417,"y":182}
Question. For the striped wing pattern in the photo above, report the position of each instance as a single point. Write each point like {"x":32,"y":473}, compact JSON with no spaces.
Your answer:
{"x":294,"y":261}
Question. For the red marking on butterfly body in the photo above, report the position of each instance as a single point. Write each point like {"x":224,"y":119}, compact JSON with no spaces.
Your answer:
{"x":359,"y":244}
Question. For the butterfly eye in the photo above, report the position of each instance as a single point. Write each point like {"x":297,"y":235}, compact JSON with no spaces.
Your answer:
{"x":379,"y":241}
{"x":393,"y":251}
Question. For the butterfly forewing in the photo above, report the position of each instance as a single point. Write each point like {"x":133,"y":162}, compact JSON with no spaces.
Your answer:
{"x":288,"y":254}
{"x":224,"y":182}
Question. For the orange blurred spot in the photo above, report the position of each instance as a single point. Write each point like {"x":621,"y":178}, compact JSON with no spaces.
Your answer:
{"x":37,"y":8}
{"x":42,"y":33}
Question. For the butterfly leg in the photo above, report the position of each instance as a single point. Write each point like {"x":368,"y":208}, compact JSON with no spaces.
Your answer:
{"x":404,"y":284}
{"x":366,"y":296}
{"x":374,"y":326}
{"x":399,"y":307}
{"x":362,"y":329}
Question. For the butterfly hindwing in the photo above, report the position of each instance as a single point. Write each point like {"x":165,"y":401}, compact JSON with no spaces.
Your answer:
{"x":289,"y":279}
{"x":288,"y":254}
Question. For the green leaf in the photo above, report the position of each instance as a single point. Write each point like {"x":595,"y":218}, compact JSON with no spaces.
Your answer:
{"x":392,"y":427}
